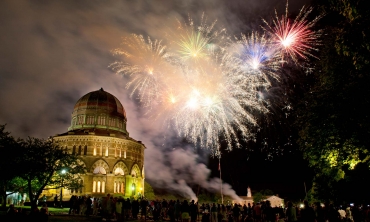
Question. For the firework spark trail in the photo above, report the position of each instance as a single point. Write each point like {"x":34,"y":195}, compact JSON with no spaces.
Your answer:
{"x":193,"y":43}
{"x":147,"y":63}
{"x":215,"y":103}
{"x":259,"y":55}
{"x":295,"y":38}
{"x":209,"y":94}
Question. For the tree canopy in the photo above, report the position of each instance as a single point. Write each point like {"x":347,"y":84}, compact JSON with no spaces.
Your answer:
{"x":36,"y":164}
{"x":333,"y":120}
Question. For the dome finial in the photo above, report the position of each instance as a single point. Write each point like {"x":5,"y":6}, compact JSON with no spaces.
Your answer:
{"x":101,"y":89}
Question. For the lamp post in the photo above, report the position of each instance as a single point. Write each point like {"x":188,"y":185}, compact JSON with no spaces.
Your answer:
{"x":61,"y":187}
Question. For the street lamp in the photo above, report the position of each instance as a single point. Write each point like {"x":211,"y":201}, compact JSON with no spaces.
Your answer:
{"x":61,"y":187}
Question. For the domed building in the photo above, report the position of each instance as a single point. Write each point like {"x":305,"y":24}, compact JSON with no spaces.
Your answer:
{"x":98,"y":135}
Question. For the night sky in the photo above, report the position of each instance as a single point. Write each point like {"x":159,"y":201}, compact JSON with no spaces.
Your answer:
{"x":54,"y":52}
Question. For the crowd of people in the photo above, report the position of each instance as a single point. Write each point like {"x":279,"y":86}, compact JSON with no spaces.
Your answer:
{"x":183,"y":211}
{"x":119,"y":209}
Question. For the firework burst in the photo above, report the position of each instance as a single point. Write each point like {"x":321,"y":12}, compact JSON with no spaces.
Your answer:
{"x":216,"y":102}
{"x":147,"y":64}
{"x":194,"y":43}
{"x":295,"y":37}
{"x":259,"y":56}
{"x":209,"y":93}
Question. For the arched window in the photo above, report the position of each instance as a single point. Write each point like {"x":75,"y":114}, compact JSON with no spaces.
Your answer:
{"x":94,"y":150}
{"x":100,"y":170}
{"x":80,"y":120}
{"x":90,"y":120}
{"x":119,"y":171}
{"x":74,"y":149}
{"x":85,"y":150}
{"x":119,"y":187}
{"x":79,"y":149}
{"x":106,"y":151}
{"x":103,"y":187}
{"x":98,"y":191}
{"x":101,"y":120}
{"x":133,"y":188}
{"x":94,"y":186}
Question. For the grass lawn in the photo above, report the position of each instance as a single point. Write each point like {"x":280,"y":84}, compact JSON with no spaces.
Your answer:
{"x":52,"y":210}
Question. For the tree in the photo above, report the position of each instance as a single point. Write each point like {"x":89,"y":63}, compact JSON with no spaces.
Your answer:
{"x":258,"y":197}
{"x":267,"y":192}
{"x":9,"y":159}
{"x":148,"y":191}
{"x":334,"y":123}
{"x":42,"y":164}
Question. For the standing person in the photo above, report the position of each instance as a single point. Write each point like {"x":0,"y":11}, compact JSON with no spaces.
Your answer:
{"x":185,"y":211}
{"x":70,"y":202}
{"x":95,"y":206}
{"x":171,"y":211}
{"x":333,"y":214}
{"x":88,"y":206}
{"x":143,"y":206}
{"x":348,"y":213}
{"x":307,"y":213}
{"x":110,"y":206}
{"x":177,"y":208}
{"x":270,"y":215}
{"x":44,"y":213}
{"x":291,"y":213}
{"x":164,"y":208}
{"x":128,"y":208}
{"x":319,"y":212}
{"x":119,"y":206}
{"x":56,"y":200}
{"x":193,"y":211}
{"x":236,"y":212}
{"x":135,"y":208}
{"x":257,"y":212}
{"x":214,"y":213}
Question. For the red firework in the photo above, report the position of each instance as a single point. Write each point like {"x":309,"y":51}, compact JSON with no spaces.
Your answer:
{"x":295,"y":37}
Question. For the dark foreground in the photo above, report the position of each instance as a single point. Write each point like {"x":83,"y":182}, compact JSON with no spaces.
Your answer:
{"x":51,"y":218}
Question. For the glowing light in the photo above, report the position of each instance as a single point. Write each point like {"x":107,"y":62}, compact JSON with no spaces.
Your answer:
{"x":208,"y":101}
{"x":142,"y":58}
{"x":192,"y":103}
{"x":258,"y":53}
{"x":296,"y":37}
{"x":287,"y":41}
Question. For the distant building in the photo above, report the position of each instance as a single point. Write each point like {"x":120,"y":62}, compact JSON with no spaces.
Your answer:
{"x":98,"y":136}
{"x":245,"y":199}
{"x":275,"y":200}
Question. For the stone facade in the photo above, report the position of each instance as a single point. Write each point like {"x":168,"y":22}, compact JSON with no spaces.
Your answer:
{"x":98,"y":136}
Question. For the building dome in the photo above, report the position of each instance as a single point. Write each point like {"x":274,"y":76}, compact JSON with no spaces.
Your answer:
{"x":99,"y":110}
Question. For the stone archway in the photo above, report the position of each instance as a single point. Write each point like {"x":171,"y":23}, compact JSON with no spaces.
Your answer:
{"x":100,"y":167}
{"x":135,"y":171}
{"x":120,"y":168}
